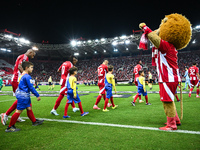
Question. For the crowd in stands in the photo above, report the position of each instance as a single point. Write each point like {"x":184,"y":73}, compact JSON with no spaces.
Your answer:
{"x":123,"y":67}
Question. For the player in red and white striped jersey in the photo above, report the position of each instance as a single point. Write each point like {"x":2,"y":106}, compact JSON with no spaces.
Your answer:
{"x":64,"y":70}
{"x":102,"y":70}
{"x":194,"y":78}
{"x":16,"y":74}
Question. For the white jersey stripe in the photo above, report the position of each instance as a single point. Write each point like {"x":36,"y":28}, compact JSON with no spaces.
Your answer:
{"x":168,"y":91}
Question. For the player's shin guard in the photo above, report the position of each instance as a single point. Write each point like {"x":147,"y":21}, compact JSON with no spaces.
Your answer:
{"x":98,"y":99}
{"x":12,"y":108}
{"x":111,"y":99}
{"x":31,"y":115}
{"x":80,"y":107}
{"x":66,"y":109}
{"x":106,"y":102}
{"x":14,"y":118}
{"x":146,"y":98}
{"x":60,"y":97}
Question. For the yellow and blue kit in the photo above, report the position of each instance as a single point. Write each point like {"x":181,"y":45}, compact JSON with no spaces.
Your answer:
{"x":23,"y":91}
{"x":141,"y":86}
{"x":109,"y":83}
{"x":72,"y":90}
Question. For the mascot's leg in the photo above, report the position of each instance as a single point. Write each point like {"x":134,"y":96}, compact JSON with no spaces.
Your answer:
{"x":172,"y":116}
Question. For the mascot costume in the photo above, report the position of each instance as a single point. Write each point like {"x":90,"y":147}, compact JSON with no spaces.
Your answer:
{"x":174,"y":33}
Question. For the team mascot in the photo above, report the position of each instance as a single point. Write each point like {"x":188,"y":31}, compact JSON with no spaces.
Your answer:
{"x":174,"y":33}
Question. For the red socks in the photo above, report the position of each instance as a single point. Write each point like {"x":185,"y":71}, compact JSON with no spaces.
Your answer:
{"x":73,"y":104}
{"x":136,"y":96}
{"x":106,"y":102}
{"x":104,"y":96}
{"x":66,"y":109}
{"x":12,"y":108}
{"x":60,"y":97}
{"x":98,"y":99}
{"x":31,"y":115}
{"x":14,"y":118}
{"x":191,"y":89}
{"x":80,"y":107}
{"x":139,"y":97}
{"x":198,"y":91}
{"x":111,"y":99}
{"x":146,"y":98}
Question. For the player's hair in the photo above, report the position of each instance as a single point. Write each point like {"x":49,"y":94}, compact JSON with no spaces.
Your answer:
{"x":72,"y":70}
{"x":138,"y":62}
{"x":105,"y":60}
{"x":186,"y":67}
{"x":110,"y":68}
{"x":140,"y":72}
{"x":71,"y":58}
{"x":194,"y":63}
{"x":26,"y":64}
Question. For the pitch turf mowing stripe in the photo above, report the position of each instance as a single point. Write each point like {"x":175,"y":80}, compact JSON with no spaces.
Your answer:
{"x":7,"y":100}
{"x":116,"y":125}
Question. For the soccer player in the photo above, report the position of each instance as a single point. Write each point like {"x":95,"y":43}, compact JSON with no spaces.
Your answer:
{"x":72,"y":94}
{"x":194,"y":78}
{"x":1,"y":82}
{"x":23,"y":98}
{"x":109,"y":84}
{"x":141,"y":88}
{"x":187,"y":79}
{"x":16,"y":73}
{"x":102,"y":70}
{"x":50,"y":83}
{"x":64,"y":70}
{"x":136,"y":70}
{"x":150,"y":80}
{"x":36,"y":84}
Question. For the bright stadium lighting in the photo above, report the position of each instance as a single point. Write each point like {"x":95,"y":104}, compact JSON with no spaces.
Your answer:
{"x":193,"y":42}
{"x":116,"y":38}
{"x":197,"y":27}
{"x":115,"y":50}
{"x":104,"y":51}
{"x":96,"y":40}
{"x":8,"y":50}
{"x":127,"y":48}
{"x":89,"y":41}
{"x":85,"y":53}
{"x":78,"y":42}
{"x":3,"y":49}
{"x":103,"y":40}
{"x":76,"y":54}
{"x":114,"y":43}
{"x":22,"y":40}
{"x":127,"y":42}
{"x":95,"y":52}
{"x":8,"y":36}
{"x":34,"y":48}
{"x":73,"y":43}
{"x":123,"y":37}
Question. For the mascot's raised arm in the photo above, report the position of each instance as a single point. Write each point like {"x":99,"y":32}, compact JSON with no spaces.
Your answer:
{"x":174,"y":33}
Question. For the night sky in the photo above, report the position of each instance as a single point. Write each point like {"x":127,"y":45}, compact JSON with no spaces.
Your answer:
{"x":58,"y":21}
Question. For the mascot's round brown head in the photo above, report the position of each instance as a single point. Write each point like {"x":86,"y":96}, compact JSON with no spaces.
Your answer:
{"x":176,"y":29}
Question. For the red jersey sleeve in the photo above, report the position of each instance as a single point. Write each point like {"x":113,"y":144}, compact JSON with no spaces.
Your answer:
{"x":60,"y":68}
{"x":164,"y":46}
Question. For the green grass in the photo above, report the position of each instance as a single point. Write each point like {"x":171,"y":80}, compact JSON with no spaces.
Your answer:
{"x":62,"y":135}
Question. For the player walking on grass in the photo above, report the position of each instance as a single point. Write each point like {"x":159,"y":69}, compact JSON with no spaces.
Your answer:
{"x":150,"y":80}
{"x":23,"y":98}
{"x":141,"y":88}
{"x":16,"y":73}
{"x":102,"y":71}
{"x":1,"y":82}
{"x":50,"y":83}
{"x":136,"y":70}
{"x":64,"y":70}
{"x":72,"y":94}
{"x":109,"y":84}
{"x":194,"y":79}
{"x":36,"y":84}
{"x":187,"y":78}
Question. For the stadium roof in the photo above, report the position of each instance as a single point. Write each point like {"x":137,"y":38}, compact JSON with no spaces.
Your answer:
{"x":11,"y":43}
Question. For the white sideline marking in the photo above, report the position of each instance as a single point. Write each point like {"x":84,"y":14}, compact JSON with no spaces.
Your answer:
{"x":116,"y":125}
{"x":7,"y":100}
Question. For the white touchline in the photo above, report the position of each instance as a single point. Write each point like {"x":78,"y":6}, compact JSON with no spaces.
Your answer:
{"x":7,"y":100}
{"x":116,"y":125}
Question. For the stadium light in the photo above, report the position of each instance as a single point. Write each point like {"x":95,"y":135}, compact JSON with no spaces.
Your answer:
{"x":103,"y":40}
{"x":73,"y":43}
{"x":85,"y":53}
{"x":123,"y":37}
{"x":114,"y":43}
{"x":95,"y":52}
{"x":78,"y":42}
{"x":193,"y":42}
{"x":115,"y":50}
{"x":127,"y":48}
{"x":8,"y":36}
{"x":76,"y":54}
{"x":3,"y":49}
{"x":96,"y":40}
{"x":35,"y":48}
{"x":197,"y":27}
{"x":127,"y":42}
{"x":89,"y":41}
{"x":8,"y":50}
{"x":104,"y":51}
{"x":22,"y":40}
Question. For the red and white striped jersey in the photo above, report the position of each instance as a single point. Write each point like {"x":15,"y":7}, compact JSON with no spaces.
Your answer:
{"x":166,"y":62}
{"x":16,"y":72}
{"x":102,"y":70}
{"x":64,"y":68}
{"x":136,"y":70}
{"x":193,"y":72}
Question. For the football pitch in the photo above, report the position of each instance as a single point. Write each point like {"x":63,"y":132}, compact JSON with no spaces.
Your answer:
{"x":126,"y":127}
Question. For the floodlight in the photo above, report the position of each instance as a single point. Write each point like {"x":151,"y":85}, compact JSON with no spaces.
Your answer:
{"x":73,"y":43}
{"x":104,"y":51}
{"x":95,"y":52}
{"x":22,"y":40}
{"x":85,"y":53}
{"x":123,"y":37}
{"x":34,"y":48}
{"x":76,"y":54}
{"x":193,"y":42}
{"x":8,"y":50}
{"x":127,"y":48}
{"x":8,"y":36}
{"x":3,"y":49}
{"x":197,"y":27}
{"x":89,"y":41}
{"x":114,"y":43}
{"x":96,"y":40}
{"x":102,"y":40}
{"x":127,"y":42}
{"x":115,"y":50}
{"x":78,"y":42}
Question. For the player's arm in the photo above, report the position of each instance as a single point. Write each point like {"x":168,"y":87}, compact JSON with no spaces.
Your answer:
{"x":59,"y":69}
{"x":30,"y":86}
{"x":74,"y":80}
{"x":113,"y":83}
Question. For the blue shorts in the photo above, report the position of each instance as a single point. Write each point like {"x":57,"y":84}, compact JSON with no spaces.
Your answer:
{"x":108,"y":92}
{"x":23,"y":103}
{"x":141,"y":91}
{"x":70,"y":97}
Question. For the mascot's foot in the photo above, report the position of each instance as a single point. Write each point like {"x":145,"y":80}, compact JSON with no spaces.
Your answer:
{"x":178,"y":123}
{"x":167,"y":128}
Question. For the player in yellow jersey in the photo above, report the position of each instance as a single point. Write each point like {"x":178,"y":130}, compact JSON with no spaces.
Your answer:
{"x":72,"y":94}
{"x":141,"y":88}
{"x":150,"y":80}
{"x":50,"y":83}
{"x":109,"y":84}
